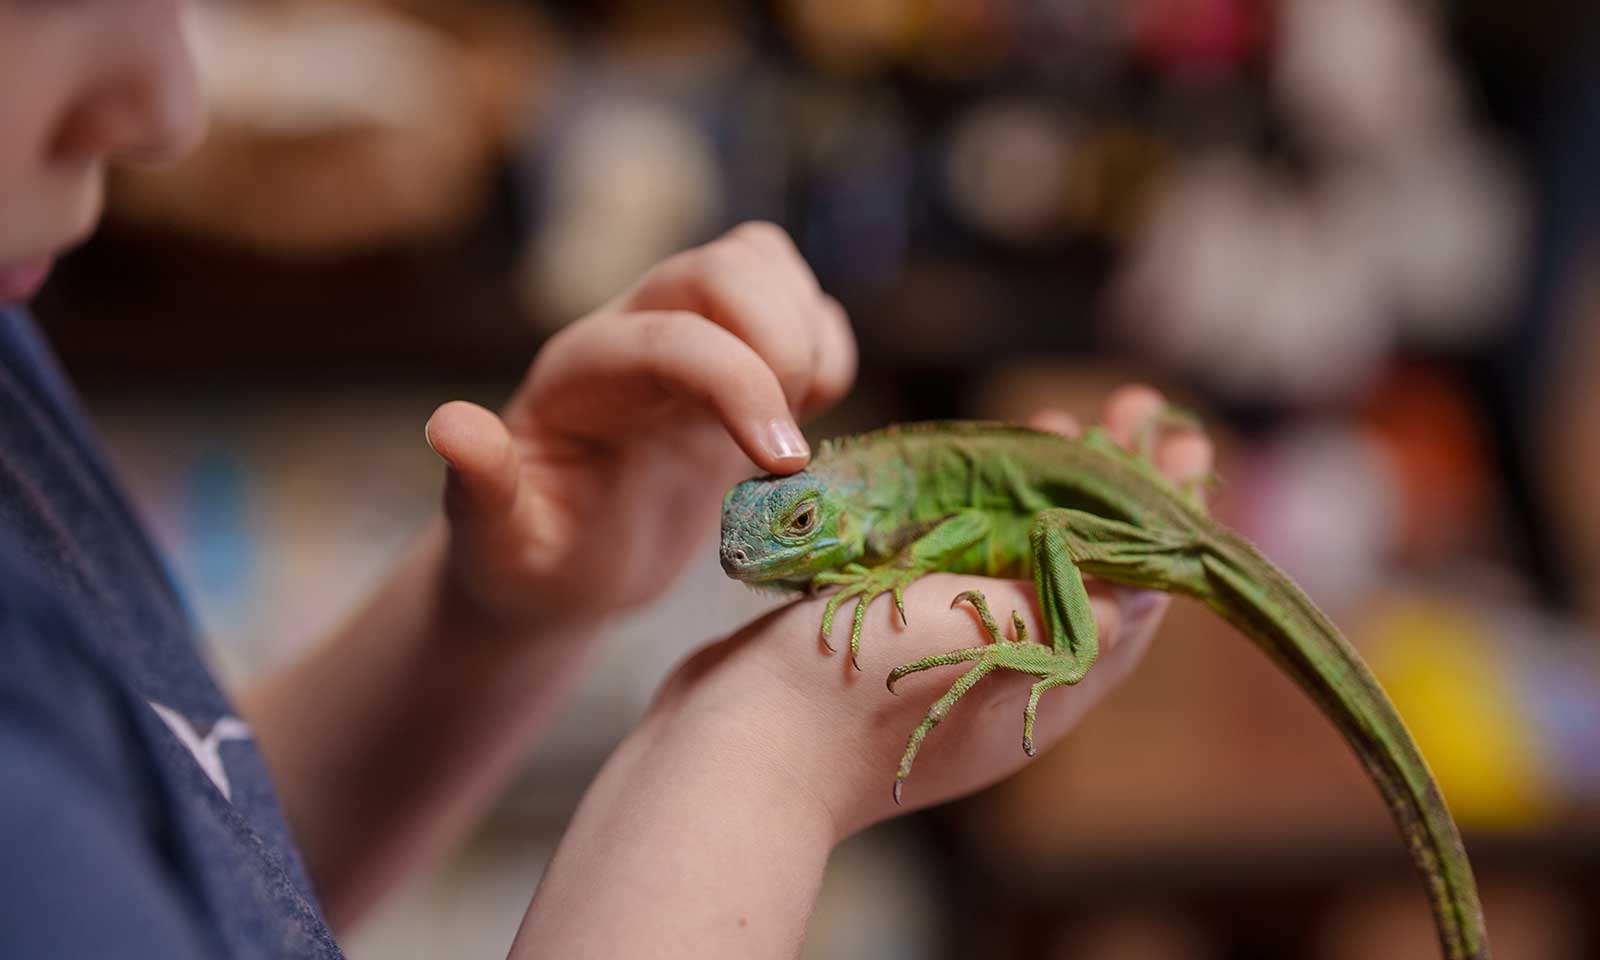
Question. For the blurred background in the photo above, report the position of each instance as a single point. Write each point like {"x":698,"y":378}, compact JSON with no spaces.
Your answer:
{"x":1357,"y":237}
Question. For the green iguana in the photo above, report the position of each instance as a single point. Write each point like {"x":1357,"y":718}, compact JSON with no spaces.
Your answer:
{"x":873,"y":513}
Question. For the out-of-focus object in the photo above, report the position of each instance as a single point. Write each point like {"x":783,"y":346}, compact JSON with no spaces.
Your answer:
{"x":1570,"y":444}
{"x":1364,"y":76}
{"x":1191,"y":38}
{"x":949,"y":39}
{"x":1007,"y":169}
{"x":672,"y":131}
{"x":1453,"y":680}
{"x":1323,"y":501}
{"x":1130,"y":933}
{"x":1405,"y":223}
{"x":1117,"y":171}
{"x":1555,"y":670}
{"x":1235,"y":278}
{"x":1078,"y":42}
{"x":1028,"y":174}
{"x":857,"y":164}
{"x":1428,"y":430}
{"x":851,"y":36}
{"x":337,"y":126}
{"x":1443,"y":230}
{"x":1368,"y":89}
{"x":1504,"y":699}
{"x":625,"y":185}
{"x":1534,"y":919}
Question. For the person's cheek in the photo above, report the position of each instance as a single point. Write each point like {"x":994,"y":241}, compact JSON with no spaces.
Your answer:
{"x":38,"y":211}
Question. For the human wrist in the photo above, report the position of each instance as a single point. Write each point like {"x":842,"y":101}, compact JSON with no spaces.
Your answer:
{"x":468,"y":602}
{"x":736,"y":702}
{"x":702,"y":828}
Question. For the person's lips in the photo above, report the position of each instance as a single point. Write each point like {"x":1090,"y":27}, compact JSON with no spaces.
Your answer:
{"x":20,"y":281}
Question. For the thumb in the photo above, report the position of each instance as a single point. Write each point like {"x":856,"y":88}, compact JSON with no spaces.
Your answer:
{"x":477,"y":447}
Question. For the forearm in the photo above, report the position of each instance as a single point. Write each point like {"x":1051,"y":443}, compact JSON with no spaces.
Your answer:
{"x":389,"y":740}
{"x":700,"y":838}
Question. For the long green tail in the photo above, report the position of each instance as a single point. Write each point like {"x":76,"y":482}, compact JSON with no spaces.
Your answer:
{"x":1256,"y":597}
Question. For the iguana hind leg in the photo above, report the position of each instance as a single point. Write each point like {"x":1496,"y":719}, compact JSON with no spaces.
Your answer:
{"x":1064,"y":544}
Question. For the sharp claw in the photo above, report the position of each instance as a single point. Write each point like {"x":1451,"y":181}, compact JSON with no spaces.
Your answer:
{"x":900,"y":604}
{"x":855,"y":663}
{"x":967,"y":596}
{"x":827,"y":621}
{"x":1027,"y":747}
{"x":897,"y":784}
{"x":890,"y":682}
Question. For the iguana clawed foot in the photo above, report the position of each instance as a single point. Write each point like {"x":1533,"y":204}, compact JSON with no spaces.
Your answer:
{"x":868,"y":584}
{"x":1053,"y":670}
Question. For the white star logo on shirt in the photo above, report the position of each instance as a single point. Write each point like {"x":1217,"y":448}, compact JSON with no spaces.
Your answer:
{"x":207,"y":749}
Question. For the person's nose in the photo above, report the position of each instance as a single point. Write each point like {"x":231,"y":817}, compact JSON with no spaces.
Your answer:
{"x":147,"y":105}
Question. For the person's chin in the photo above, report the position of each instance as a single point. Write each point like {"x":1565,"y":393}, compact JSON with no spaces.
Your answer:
{"x":21,"y":280}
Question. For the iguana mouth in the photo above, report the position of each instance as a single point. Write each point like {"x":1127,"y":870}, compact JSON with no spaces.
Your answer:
{"x":738,"y":563}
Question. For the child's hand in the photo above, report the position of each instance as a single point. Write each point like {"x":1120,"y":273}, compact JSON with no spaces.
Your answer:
{"x":607,"y":466}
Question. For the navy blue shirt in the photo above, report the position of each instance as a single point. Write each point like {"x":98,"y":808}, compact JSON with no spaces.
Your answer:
{"x":136,"y":816}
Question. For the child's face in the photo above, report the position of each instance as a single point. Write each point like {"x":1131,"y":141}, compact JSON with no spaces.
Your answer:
{"x":83,"y":83}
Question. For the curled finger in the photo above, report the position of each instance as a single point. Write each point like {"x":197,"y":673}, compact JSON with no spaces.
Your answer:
{"x":603,"y":379}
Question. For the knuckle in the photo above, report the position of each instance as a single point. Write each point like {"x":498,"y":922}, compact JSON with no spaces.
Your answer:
{"x":674,"y":265}
{"x":789,"y":365}
{"x":721,"y":258}
{"x":656,"y":328}
{"x":650,"y":329}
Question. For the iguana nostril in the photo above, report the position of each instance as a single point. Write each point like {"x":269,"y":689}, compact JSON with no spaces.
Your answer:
{"x":739,"y":556}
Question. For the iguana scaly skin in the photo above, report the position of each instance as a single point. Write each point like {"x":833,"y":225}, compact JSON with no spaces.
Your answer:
{"x":873,"y":513}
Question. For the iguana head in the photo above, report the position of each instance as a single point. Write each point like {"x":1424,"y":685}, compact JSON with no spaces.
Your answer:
{"x":784,"y":530}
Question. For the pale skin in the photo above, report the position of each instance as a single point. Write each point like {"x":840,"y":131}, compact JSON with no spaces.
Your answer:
{"x":714,"y":818}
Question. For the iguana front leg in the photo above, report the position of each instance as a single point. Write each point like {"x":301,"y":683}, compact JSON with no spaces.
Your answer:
{"x":950,"y":537}
{"x":1064,"y":544}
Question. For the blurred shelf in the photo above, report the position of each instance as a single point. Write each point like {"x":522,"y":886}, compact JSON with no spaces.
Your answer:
{"x":160,"y":304}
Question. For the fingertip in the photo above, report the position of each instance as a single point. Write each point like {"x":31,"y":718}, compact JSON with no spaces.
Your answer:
{"x":1129,"y":408}
{"x":785,"y":449}
{"x":1055,"y":420}
{"x":451,"y":426}
{"x":1186,"y":456}
{"x":476,"y":446}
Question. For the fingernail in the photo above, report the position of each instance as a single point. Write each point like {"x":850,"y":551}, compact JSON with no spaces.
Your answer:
{"x":785,"y":441}
{"x":427,"y":436}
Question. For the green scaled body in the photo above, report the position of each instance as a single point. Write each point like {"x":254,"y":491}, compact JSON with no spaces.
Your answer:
{"x":873,"y":513}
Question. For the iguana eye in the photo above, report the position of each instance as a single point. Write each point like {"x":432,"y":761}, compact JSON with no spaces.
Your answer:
{"x":804,"y":518}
